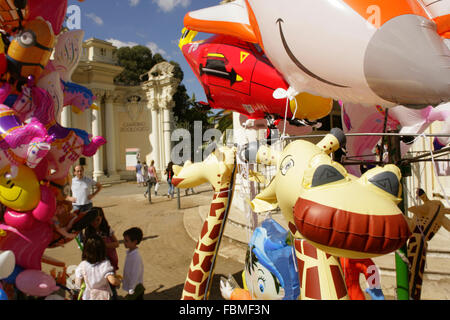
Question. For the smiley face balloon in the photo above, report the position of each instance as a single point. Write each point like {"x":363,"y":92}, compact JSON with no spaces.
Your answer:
{"x":19,"y":188}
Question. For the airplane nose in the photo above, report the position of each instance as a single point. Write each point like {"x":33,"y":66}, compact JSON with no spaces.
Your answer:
{"x":408,"y":63}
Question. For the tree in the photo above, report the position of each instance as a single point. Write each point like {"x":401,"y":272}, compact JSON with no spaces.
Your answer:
{"x":136,"y":61}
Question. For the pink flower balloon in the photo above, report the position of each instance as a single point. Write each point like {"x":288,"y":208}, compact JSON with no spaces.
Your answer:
{"x":36,"y":283}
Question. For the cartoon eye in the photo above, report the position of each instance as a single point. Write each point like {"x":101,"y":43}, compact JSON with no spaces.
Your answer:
{"x":286,"y":164}
{"x":27,"y":38}
{"x":261,"y":284}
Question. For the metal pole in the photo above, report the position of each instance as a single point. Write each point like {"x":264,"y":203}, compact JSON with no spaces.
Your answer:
{"x":178,"y":199}
{"x":401,"y":266}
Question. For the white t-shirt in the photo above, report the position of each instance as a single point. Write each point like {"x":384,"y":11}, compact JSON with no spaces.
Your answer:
{"x":133,"y":271}
{"x":81,"y":189}
{"x":95,"y":276}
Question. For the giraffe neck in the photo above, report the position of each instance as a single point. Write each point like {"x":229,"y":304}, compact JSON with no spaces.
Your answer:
{"x":201,"y":265}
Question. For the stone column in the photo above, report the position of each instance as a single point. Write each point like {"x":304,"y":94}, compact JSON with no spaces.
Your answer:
{"x":66,"y":117}
{"x":110,"y":133}
{"x":167,"y":127}
{"x":98,"y":156}
{"x":154,"y":138}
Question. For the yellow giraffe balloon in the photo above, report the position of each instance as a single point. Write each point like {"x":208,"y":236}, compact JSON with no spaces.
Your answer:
{"x":218,"y":169}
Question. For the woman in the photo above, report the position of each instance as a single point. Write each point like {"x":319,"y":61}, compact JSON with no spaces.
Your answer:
{"x":169,"y":173}
{"x":153,"y":178}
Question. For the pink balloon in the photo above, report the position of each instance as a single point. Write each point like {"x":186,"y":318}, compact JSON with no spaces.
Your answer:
{"x":28,"y":245}
{"x":19,"y":220}
{"x":46,"y":208}
{"x":54,"y":11}
{"x":36,"y":283}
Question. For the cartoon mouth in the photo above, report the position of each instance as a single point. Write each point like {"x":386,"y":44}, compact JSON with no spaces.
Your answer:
{"x":299,"y":64}
{"x":332,"y":227}
{"x":176,"y":181}
{"x":12,"y":200}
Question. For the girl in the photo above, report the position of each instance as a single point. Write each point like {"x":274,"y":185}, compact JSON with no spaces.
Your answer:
{"x":96,"y":271}
{"x":170,"y":174}
{"x":100,"y":227}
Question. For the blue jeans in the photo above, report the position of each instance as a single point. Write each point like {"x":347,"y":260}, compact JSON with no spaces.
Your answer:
{"x":171,"y":188}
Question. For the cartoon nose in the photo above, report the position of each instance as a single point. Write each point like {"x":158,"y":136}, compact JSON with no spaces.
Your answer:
{"x":408,"y":63}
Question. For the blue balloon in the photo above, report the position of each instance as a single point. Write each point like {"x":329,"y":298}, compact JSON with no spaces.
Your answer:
{"x":12,"y":277}
{"x":3,"y":295}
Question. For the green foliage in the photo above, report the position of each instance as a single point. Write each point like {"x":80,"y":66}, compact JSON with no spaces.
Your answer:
{"x":137,"y":60}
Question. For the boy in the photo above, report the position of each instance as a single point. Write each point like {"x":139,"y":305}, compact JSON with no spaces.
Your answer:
{"x":133,"y":270}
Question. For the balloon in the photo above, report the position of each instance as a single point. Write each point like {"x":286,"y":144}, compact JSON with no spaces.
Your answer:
{"x":352,"y":269}
{"x":28,"y":245}
{"x":329,"y":207}
{"x":359,"y":119}
{"x":268,"y":251}
{"x":11,"y":279}
{"x":3,"y":295}
{"x":7,"y":263}
{"x":12,"y":13}
{"x":368,"y":67}
{"x":36,"y":283}
{"x":237,"y":76}
{"x":46,"y":208}
{"x":19,"y":190}
{"x":53,"y":11}
{"x":30,"y":50}
{"x":69,"y":144}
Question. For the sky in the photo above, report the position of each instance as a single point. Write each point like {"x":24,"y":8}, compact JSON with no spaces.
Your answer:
{"x":156,"y":24}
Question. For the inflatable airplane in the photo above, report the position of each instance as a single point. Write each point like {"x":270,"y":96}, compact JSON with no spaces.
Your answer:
{"x":375,"y":52}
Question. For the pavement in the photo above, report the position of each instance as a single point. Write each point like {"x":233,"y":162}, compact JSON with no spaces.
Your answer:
{"x":171,"y":229}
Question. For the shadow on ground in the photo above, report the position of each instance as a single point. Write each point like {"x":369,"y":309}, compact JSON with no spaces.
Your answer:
{"x":176,"y":292}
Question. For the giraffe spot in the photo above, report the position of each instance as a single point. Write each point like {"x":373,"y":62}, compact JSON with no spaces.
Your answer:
{"x":215,"y":232}
{"x":210,"y":248}
{"x":204,"y":229}
{"x":188,"y":287}
{"x":206,"y":264}
{"x":312,"y":285}
{"x":202,"y":288}
{"x":195,"y":276}
{"x":338,"y":280}
{"x":309,"y":250}
{"x":195,"y":259}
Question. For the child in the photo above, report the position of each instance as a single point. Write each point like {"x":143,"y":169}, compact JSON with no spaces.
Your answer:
{"x":133,"y":270}
{"x":101,"y":228}
{"x":96,"y":271}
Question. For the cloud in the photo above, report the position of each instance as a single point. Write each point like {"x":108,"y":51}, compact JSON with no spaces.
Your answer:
{"x":96,"y":19}
{"x":156,"y":49}
{"x":119,"y":44}
{"x":134,"y":3}
{"x":169,"y":5}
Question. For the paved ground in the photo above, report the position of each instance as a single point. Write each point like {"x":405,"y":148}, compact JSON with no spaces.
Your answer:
{"x":167,"y":248}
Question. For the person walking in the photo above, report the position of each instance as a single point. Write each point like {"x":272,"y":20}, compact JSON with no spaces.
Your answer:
{"x":139,"y":176}
{"x":169,"y":173}
{"x":145,"y":173}
{"x":81,"y":190}
{"x":152,"y":179}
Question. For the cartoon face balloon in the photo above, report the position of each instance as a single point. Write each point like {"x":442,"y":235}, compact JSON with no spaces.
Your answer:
{"x":19,"y":191}
{"x":353,"y":50}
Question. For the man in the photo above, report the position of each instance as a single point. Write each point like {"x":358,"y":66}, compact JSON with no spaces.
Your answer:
{"x":81,"y":190}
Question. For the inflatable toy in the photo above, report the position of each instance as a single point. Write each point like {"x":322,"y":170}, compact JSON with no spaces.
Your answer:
{"x":53,"y":11}
{"x":218,"y":169}
{"x":36,"y":283}
{"x":371,"y":67}
{"x":11,"y":279}
{"x":352,"y":269}
{"x":30,"y":50}
{"x":19,"y":191}
{"x":28,"y":245}
{"x":69,"y":144}
{"x":270,"y":267}
{"x":372,"y":120}
{"x":12,"y":14}
{"x":440,"y":12}
{"x":335,"y":212}
{"x":427,"y":219}
{"x":3,"y":295}
{"x":236,"y":75}
{"x":7,"y":263}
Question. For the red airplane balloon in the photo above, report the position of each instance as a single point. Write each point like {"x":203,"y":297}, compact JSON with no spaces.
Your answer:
{"x":236,"y":75}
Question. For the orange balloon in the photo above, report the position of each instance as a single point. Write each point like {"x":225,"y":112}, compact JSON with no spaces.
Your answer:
{"x":308,"y":106}
{"x":240,"y":294}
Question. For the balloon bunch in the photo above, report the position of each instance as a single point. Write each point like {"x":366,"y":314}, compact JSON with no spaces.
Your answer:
{"x":36,"y":151}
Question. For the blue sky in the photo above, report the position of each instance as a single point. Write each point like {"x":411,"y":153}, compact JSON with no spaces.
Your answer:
{"x":153,"y":23}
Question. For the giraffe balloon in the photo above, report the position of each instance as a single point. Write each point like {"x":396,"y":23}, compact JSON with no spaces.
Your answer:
{"x":330,"y":212}
{"x":219,"y":170}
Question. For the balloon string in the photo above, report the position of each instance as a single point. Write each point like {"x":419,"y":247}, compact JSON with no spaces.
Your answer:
{"x":283,"y":136}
